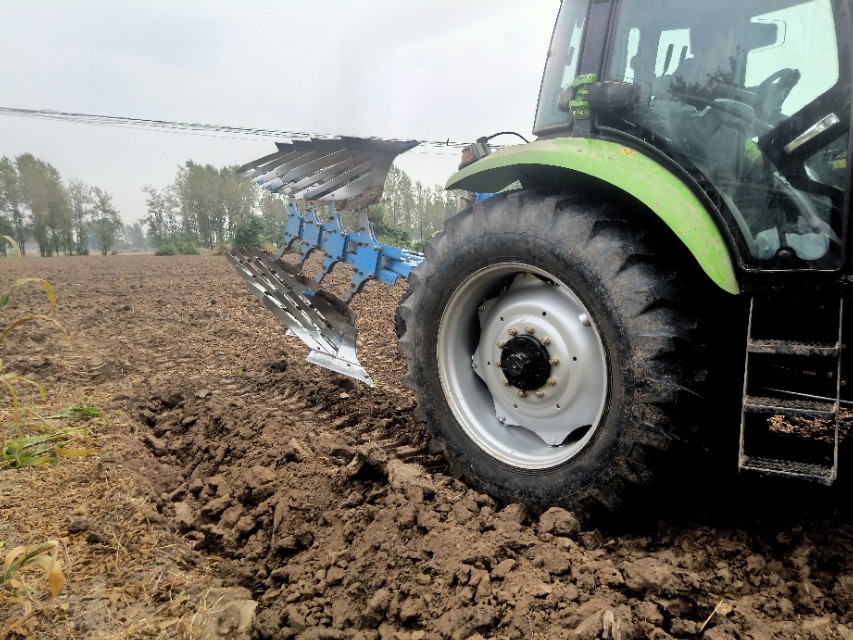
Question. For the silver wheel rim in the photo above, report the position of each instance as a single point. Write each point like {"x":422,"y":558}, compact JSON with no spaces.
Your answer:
{"x":542,"y":427}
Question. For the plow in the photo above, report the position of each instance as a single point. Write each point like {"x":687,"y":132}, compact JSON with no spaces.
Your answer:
{"x":346,"y":174}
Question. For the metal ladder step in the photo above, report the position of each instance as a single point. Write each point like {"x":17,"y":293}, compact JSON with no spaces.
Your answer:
{"x":793,"y":348}
{"x":818,"y":409}
{"x":823,"y":474}
{"x":757,"y":408}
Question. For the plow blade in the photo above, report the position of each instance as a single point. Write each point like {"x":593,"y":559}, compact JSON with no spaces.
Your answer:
{"x":347,"y":172}
{"x":339,"y":174}
{"x":317,"y":318}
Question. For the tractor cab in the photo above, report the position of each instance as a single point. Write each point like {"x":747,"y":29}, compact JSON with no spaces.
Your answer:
{"x":748,"y":101}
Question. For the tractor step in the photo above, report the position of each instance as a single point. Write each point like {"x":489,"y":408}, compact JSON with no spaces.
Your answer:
{"x":823,"y":474}
{"x":785,"y":434}
{"x":793,"y":348}
{"x":317,"y":318}
{"x":817,"y":409}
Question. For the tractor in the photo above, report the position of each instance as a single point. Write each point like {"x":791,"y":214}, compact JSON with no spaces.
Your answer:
{"x":671,"y":249}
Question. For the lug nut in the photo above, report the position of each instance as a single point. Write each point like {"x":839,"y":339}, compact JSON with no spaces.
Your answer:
{"x":553,"y":360}
{"x":522,"y":393}
{"x":501,"y":344}
{"x":540,"y":393}
{"x":498,"y":363}
{"x":506,"y":383}
{"x":552,"y":381}
{"x":529,"y":330}
{"x":545,"y":341}
{"x":513,"y":331}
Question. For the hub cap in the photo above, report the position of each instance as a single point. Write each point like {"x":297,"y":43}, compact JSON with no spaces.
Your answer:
{"x":522,"y":365}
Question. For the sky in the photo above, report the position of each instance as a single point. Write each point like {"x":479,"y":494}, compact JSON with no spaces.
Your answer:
{"x":409,"y":69}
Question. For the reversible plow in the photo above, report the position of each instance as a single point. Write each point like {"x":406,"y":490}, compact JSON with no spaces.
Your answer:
{"x":338,"y":174}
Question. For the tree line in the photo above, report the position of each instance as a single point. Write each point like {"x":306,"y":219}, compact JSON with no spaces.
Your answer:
{"x":204,"y":206}
{"x":36,"y":205}
{"x":207,"y":206}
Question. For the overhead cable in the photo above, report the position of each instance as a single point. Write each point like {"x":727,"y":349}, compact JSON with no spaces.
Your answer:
{"x":186,"y":127}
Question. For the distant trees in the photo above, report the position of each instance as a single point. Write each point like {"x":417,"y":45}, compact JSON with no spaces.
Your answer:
{"x":106,"y":222}
{"x":36,"y":204}
{"x":205,"y":206}
{"x":11,"y":205}
{"x":80,"y":200}
{"x":202,"y":207}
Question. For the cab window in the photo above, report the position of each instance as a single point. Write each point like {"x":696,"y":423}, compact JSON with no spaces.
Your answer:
{"x":753,"y":99}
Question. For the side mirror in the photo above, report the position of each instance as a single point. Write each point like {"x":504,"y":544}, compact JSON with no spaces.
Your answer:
{"x":613,"y":96}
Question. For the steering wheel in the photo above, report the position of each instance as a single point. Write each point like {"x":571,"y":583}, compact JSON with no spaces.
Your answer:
{"x":779,"y":86}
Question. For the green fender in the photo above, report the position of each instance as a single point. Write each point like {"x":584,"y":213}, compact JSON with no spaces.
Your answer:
{"x":627,"y":169}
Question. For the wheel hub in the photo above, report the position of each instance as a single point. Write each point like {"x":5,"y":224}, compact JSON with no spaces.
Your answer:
{"x":524,"y":361}
{"x":541,"y":359}
{"x":522,"y":365}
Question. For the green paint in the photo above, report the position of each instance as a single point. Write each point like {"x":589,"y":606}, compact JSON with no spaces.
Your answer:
{"x":629,"y":170}
{"x":578,"y":105}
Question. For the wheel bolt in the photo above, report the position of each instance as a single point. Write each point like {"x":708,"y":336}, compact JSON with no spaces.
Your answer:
{"x":506,"y":383}
{"x":529,"y":330}
{"x":498,"y":363}
{"x":522,"y":393}
{"x":540,"y":393}
{"x":552,"y":381}
{"x":554,"y":360}
{"x":501,"y":344}
{"x":513,"y":331}
{"x":545,"y":341}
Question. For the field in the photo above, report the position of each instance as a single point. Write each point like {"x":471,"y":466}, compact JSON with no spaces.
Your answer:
{"x":238,"y":492}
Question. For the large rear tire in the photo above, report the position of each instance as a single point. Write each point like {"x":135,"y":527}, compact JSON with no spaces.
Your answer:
{"x":546,"y":348}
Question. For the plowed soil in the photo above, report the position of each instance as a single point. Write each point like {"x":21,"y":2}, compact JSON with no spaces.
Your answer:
{"x":238,"y":492}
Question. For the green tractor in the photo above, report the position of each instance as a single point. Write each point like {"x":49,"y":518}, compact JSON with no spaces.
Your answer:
{"x":674,"y":242}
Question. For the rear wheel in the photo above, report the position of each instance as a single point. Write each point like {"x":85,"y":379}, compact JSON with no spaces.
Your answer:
{"x":546,"y":348}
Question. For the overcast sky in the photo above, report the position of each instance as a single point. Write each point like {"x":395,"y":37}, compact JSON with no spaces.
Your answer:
{"x":424,"y":69}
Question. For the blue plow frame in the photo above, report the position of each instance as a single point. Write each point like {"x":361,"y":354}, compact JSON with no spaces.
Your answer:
{"x":342,"y":174}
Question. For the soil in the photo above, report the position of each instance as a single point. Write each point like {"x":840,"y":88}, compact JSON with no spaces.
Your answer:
{"x":238,"y":492}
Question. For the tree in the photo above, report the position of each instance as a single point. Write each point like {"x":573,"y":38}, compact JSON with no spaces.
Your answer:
{"x":248,"y":231}
{"x":134,"y":236}
{"x":42,"y":192}
{"x":11,"y":205}
{"x":199,"y":199}
{"x":239,"y":199}
{"x":162,"y":215}
{"x":81,"y":201}
{"x":105,"y":220}
{"x":274,"y":213}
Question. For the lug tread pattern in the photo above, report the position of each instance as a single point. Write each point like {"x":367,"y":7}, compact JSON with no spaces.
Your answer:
{"x":647,"y":294}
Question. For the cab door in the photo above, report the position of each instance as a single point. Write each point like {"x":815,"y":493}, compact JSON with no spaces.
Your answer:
{"x":753,"y":101}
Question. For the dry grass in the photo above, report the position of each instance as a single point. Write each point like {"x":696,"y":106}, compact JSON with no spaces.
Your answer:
{"x":126,"y":578}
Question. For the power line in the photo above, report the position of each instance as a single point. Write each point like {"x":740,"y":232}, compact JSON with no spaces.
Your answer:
{"x":187,"y":128}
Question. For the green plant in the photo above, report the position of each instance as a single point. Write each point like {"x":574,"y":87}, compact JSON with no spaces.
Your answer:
{"x":83,"y":411}
{"x":27,"y":450}
{"x":166,"y":249}
{"x":182,"y":248}
{"x":188,"y":249}
{"x":248,"y":232}
{"x":14,"y":590}
{"x":41,"y":555}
